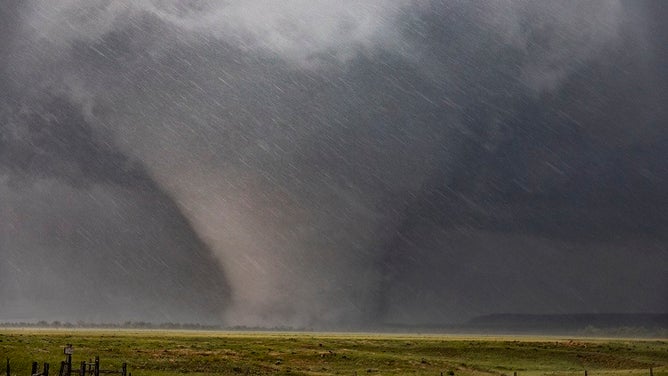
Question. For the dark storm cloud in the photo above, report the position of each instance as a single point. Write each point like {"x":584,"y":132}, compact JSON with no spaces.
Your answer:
{"x":564,"y":192}
{"x":350,"y":163}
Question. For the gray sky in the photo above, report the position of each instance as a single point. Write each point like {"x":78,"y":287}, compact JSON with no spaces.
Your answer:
{"x":332,"y":164}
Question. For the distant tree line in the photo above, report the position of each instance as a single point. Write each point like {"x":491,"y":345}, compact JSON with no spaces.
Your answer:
{"x":138,"y":325}
{"x":124,"y":325}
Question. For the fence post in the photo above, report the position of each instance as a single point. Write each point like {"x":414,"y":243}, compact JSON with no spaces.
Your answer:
{"x":69,"y":362}
{"x":33,"y":370}
{"x":46,"y":369}
{"x":62,"y":368}
{"x":651,"y":371}
{"x":82,"y":370}
{"x":97,"y":366}
{"x":585,"y":372}
{"x":125,"y":369}
{"x":9,"y":371}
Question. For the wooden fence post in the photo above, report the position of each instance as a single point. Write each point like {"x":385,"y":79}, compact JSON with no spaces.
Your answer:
{"x":46,"y":369}
{"x":97,"y":366}
{"x":82,"y":370}
{"x":124,"y":369}
{"x":69,"y":362}
{"x":9,"y":371}
{"x":651,"y":371}
{"x":62,"y":368}
{"x":33,"y":370}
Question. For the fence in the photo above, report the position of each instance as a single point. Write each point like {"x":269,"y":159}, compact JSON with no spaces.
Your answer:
{"x":90,"y":368}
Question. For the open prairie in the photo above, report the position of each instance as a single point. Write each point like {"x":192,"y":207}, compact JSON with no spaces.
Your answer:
{"x":163,"y":353}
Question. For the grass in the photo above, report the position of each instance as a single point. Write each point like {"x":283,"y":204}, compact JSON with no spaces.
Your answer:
{"x":167,"y":353}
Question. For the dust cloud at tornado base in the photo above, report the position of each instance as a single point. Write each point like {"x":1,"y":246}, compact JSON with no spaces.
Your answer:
{"x":313,"y":164}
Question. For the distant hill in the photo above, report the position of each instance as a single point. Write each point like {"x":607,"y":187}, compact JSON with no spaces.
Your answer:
{"x":591,"y":322}
{"x":645,"y":325}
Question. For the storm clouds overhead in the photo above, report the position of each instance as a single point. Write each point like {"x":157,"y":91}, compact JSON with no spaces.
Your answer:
{"x":322,"y":164}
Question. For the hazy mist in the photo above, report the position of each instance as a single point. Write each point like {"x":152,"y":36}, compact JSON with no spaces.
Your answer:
{"x":327,"y":164}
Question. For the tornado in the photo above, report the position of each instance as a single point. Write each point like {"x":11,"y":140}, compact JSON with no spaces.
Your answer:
{"x":322,"y":165}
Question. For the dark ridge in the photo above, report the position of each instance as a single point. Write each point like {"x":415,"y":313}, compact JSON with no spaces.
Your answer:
{"x":567,"y":322}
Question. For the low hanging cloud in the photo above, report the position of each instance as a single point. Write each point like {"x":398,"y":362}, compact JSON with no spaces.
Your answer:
{"x":302,"y":32}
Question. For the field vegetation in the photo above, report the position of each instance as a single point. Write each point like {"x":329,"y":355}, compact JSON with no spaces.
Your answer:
{"x":198,"y":353}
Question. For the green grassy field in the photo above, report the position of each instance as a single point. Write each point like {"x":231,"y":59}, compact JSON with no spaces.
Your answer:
{"x":164,"y":353}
